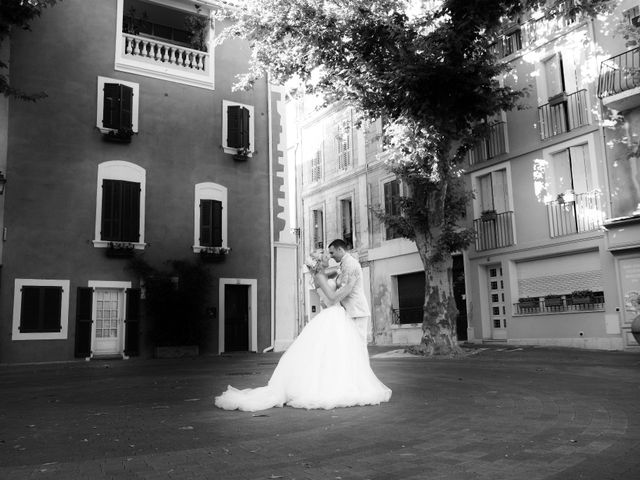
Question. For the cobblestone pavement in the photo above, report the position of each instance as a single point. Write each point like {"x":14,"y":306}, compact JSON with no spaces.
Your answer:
{"x":498,"y":413}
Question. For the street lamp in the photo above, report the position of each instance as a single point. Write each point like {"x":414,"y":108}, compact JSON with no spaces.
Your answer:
{"x":3,"y":181}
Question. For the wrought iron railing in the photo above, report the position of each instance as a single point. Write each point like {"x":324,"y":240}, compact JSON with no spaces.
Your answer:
{"x":563,"y":114}
{"x":494,"y":232}
{"x":490,"y":147}
{"x":572,"y":214}
{"x":619,"y":73}
{"x":406,"y":315}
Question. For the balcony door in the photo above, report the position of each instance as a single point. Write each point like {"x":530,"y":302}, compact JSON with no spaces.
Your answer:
{"x":494,"y":194}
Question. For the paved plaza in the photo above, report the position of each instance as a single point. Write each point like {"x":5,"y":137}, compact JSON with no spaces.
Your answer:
{"x":498,"y":413}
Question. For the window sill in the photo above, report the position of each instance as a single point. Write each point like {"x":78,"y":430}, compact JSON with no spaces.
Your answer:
{"x":106,"y":243}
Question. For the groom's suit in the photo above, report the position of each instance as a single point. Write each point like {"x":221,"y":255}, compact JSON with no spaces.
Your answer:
{"x":351,"y":295}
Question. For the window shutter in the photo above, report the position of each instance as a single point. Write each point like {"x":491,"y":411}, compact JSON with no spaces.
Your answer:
{"x":216,"y":221}
{"x":110,"y":222}
{"x":130,"y":212}
{"x":126,"y":107}
{"x":29,"y":309}
{"x":117,"y":106}
{"x":83,"y":322}
{"x":120,"y":211}
{"x":206,"y":224}
{"x":132,"y":323}
{"x":238,"y":123}
{"x":51,"y":304}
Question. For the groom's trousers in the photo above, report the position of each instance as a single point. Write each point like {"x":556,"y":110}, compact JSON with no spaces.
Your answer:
{"x":362,"y":324}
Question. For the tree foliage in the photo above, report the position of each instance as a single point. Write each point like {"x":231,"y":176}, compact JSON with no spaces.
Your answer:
{"x":18,"y":14}
{"x":427,"y":69}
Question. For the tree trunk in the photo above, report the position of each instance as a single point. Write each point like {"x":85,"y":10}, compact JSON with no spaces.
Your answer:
{"x":439,"y":311}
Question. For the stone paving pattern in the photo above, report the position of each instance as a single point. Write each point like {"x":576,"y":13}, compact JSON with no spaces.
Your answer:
{"x":498,"y":413}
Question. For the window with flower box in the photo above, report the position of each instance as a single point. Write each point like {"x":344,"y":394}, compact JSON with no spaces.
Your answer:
{"x":210,"y":213}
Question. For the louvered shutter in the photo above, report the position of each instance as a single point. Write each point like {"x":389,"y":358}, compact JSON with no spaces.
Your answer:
{"x":83,"y":322}
{"x":206,"y":226}
{"x":130,"y":212}
{"x":216,"y":222}
{"x":111,"y":207}
{"x":238,"y":123}
{"x":132,"y":323}
{"x":117,"y":106}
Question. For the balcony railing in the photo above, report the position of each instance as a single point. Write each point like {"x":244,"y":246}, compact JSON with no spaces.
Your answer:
{"x":572,"y":214}
{"x":563,"y":114}
{"x":545,"y":27}
{"x":406,"y":315}
{"x":563,"y":304}
{"x":620,"y":73}
{"x":490,"y":147}
{"x":170,"y":61}
{"x":494,"y":232}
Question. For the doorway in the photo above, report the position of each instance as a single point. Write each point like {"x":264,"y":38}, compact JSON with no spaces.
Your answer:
{"x":236,"y":318}
{"x":459,"y":295}
{"x":497,"y":306}
{"x":108,"y":315}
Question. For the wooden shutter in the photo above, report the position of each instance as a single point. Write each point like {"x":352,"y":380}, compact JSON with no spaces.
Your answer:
{"x":210,"y":223}
{"x":130,"y":212}
{"x":238,"y":123}
{"x":391,"y":205}
{"x":132,"y":323}
{"x":206,"y":225}
{"x":40,"y":309}
{"x":84,"y":303}
{"x":120,"y":211}
{"x":117,"y":106}
{"x":111,"y":207}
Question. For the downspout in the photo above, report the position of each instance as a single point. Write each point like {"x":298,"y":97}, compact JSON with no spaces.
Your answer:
{"x":271,"y":220}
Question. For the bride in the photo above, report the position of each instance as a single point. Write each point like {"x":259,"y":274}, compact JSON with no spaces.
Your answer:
{"x":327,"y":366}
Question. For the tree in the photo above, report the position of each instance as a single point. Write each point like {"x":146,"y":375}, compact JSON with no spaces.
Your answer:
{"x":427,"y":68}
{"x":18,"y":14}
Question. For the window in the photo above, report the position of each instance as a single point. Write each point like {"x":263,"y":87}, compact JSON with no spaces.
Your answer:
{"x":237,"y":128}
{"x":571,"y":170}
{"x":512,"y":42}
{"x":316,"y":166}
{"x":343,"y":144}
{"x":632,"y":16}
{"x":553,"y":74}
{"x":120,"y":202}
{"x":493,"y":191}
{"x":210,"y":213}
{"x":117,"y":107}
{"x":346,"y":221}
{"x":317,"y":229}
{"x":120,"y":211}
{"x":392,"y":206}
{"x":40,"y":309}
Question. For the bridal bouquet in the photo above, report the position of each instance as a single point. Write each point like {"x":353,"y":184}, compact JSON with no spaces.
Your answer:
{"x":315,"y":261}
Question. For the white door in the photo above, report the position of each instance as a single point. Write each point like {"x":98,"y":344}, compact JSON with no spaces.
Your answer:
{"x":497,"y":307}
{"x":108,"y":321}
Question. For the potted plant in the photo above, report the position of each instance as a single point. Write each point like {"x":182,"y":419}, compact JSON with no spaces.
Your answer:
{"x":488,"y":215}
{"x":214,"y":254}
{"x":120,"y":250}
{"x":553,"y":301}
{"x":121,"y":135}
{"x":579,"y":297}
{"x":529,"y":303}
{"x":198,"y":27}
{"x":242,"y":154}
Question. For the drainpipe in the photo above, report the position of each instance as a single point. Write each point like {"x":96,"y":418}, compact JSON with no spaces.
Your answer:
{"x":271,"y":220}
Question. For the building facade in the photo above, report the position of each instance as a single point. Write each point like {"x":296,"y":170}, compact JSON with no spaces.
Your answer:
{"x":553,"y":200}
{"x":140,"y":150}
{"x":556,"y":211}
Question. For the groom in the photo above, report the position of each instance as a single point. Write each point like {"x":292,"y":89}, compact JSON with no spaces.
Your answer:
{"x":350,"y":292}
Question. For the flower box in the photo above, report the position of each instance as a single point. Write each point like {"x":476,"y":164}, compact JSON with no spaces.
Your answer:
{"x":529,"y":303}
{"x":553,"y":301}
{"x":214,"y":254}
{"x":581,"y":297}
{"x":120,"y":250}
{"x":488,"y":215}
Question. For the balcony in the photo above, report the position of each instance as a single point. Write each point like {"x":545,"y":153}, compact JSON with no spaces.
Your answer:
{"x":495,"y":231}
{"x":563,"y":113}
{"x":619,"y":81}
{"x":492,"y":146}
{"x":152,"y":41}
{"x":571,"y":214}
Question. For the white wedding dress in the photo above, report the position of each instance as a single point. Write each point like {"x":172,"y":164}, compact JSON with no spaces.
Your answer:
{"x":327,"y":367}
